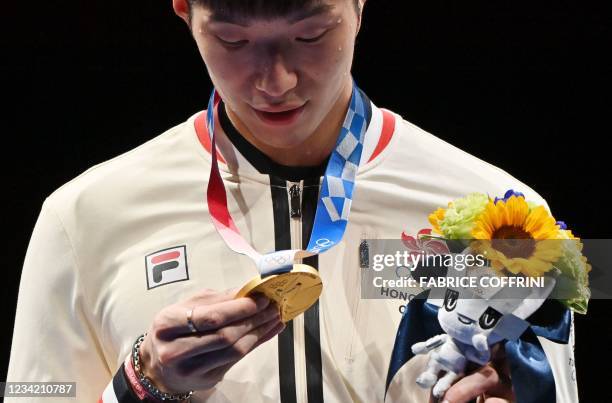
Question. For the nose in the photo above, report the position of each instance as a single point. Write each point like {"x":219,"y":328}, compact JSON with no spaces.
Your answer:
{"x":276,"y":77}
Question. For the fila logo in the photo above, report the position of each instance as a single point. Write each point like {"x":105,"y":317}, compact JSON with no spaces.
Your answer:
{"x":166,"y":266}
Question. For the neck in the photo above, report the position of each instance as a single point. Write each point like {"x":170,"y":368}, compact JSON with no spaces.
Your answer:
{"x":316,"y":148}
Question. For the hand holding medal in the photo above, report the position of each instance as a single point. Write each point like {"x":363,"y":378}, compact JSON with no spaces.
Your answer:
{"x":282,"y":277}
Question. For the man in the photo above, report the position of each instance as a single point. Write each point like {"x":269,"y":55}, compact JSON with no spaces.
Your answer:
{"x":128,"y":247}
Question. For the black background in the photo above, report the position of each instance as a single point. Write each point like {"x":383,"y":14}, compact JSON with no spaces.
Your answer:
{"x":525,"y":85}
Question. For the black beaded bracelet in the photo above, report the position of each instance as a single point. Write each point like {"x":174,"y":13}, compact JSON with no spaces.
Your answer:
{"x":146,"y":382}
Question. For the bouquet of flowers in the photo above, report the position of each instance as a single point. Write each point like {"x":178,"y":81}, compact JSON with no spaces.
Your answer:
{"x":544,"y":242}
{"x":519,"y":239}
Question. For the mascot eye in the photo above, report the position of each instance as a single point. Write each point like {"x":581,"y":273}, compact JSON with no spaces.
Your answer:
{"x":450,"y":299}
{"x":489,"y":318}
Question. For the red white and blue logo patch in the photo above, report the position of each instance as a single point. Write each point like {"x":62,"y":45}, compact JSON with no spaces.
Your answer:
{"x":166,"y":266}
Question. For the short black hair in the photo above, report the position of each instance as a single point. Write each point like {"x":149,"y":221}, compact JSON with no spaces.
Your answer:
{"x":265,"y":9}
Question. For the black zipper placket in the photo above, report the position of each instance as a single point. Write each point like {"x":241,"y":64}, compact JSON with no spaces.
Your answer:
{"x":294,"y":193}
{"x":282,"y":241}
{"x":296,"y":202}
{"x":312,"y":333}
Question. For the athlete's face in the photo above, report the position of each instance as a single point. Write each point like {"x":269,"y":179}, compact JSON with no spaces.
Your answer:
{"x":299,"y":65}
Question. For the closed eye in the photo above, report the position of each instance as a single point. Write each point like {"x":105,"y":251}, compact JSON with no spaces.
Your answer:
{"x":464,"y":320}
{"x":313,"y":39}
{"x":233,"y":44}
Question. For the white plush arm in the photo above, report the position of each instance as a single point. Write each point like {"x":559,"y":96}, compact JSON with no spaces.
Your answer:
{"x":426,"y":346}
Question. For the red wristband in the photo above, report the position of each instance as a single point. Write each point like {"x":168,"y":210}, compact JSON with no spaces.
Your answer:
{"x":135,"y":384}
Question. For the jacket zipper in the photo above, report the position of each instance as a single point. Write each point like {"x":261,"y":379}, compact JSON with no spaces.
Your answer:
{"x":295,"y":200}
{"x":295,"y":215}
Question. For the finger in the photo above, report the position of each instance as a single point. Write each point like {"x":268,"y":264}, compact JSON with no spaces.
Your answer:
{"x":166,"y":325}
{"x":209,"y":296}
{"x":209,"y":361}
{"x":503,"y":389}
{"x":216,"y":316}
{"x":471,"y":386}
{"x":496,"y":400}
{"x":273,"y":332}
{"x":227,"y":336}
{"x":500,"y":362}
{"x":188,"y":347}
{"x":171,"y":322}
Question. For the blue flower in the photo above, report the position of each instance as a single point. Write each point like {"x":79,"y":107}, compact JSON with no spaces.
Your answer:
{"x":508,"y":195}
{"x":562,"y":224}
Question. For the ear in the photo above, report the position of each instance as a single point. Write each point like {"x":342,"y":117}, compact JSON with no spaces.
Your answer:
{"x":181,"y":8}
{"x":361,"y":4}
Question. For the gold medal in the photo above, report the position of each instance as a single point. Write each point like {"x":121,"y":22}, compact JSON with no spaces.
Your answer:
{"x":294,"y":292}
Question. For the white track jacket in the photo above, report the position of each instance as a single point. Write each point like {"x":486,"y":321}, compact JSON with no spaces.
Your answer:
{"x":132,"y":235}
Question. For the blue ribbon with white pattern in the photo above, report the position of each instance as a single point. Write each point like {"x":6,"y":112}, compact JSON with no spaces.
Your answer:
{"x":336,"y":192}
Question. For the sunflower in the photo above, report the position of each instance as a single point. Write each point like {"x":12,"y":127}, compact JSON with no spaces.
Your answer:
{"x":435,"y":218}
{"x":516,"y":237}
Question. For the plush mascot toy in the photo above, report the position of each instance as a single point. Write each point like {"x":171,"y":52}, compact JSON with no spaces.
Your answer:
{"x":473,"y":322}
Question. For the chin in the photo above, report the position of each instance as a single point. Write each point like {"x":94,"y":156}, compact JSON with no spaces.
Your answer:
{"x":280,"y":136}
{"x":280,"y":141}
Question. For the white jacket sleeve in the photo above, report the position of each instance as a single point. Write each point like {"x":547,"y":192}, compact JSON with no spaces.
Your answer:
{"x":53,"y":337}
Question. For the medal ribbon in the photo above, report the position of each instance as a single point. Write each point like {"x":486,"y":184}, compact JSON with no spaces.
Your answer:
{"x":334,"y":202}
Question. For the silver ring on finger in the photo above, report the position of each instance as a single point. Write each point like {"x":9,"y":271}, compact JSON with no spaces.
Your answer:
{"x":192,"y":327}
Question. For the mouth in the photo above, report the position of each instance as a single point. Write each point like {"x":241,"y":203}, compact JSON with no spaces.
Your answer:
{"x":278,"y":118}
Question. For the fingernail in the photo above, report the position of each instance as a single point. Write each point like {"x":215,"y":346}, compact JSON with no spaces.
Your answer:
{"x":261,"y":300}
{"x":445,"y":401}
